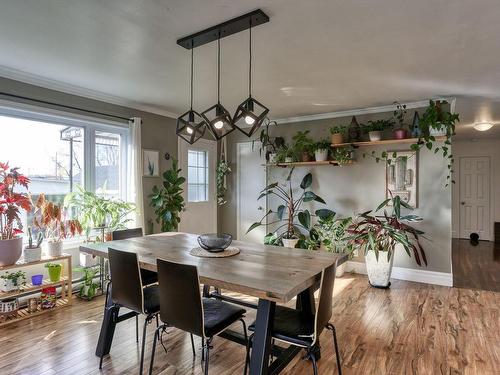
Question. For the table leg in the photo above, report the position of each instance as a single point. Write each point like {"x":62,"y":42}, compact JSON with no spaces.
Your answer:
{"x":107,"y":326}
{"x":261,"y":346}
{"x":305,"y":302}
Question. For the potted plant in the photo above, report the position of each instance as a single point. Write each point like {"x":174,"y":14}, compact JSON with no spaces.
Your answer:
{"x":54,"y":271}
{"x":303,"y":145}
{"x":338,"y":133}
{"x":333,"y":237}
{"x":436,"y":122}
{"x":321,"y":149}
{"x":11,"y":203}
{"x":375,"y":128}
{"x":290,"y":217}
{"x":222,"y":170}
{"x":378,"y":236}
{"x":11,"y":281}
{"x":167,"y":201}
{"x":49,"y":217}
{"x":88,"y":289}
{"x":285,"y":154}
{"x":399,"y":115}
{"x":269,"y":144}
{"x":343,"y":155}
{"x":33,"y":252}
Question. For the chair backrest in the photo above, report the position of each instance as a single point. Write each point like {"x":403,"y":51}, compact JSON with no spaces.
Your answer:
{"x":324,"y":308}
{"x":126,"y":280}
{"x":126,"y":233}
{"x":180,"y":298}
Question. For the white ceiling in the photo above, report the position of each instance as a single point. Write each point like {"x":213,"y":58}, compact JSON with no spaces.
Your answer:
{"x":313,"y":56}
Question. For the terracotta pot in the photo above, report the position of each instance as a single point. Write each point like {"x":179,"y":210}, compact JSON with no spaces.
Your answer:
{"x":400,"y":134}
{"x":10,"y":251}
{"x":321,"y":155}
{"x":375,"y":136}
{"x":306,"y":156}
{"x":337,"y":139}
{"x":290,"y":242}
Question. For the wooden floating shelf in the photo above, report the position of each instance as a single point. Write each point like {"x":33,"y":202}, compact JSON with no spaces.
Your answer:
{"x":24,"y":314}
{"x":384,"y":142}
{"x":306,"y":163}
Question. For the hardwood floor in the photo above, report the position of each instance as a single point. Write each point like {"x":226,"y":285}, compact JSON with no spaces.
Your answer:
{"x":410,"y":329}
{"x":476,"y":267}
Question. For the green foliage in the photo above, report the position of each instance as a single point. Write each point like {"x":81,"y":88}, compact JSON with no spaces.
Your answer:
{"x":377,"y":125}
{"x":339,"y":129}
{"x":399,"y":114}
{"x":39,"y":239}
{"x":343,"y":155}
{"x":332,"y":233}
{"x":17,"y":278}
{"x":302,"y":142}
{"x":284,"y":152}
{"x":223,"y":169}
{"x":89,"y":287}
{"x":167,"y":201}
{"x":323,"y":144}
{"x":94,"y":211}
{"x":289,"y":215}
{"x":271,"y":144}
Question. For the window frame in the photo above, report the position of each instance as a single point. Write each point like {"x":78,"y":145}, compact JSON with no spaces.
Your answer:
{"x":206,"y":172}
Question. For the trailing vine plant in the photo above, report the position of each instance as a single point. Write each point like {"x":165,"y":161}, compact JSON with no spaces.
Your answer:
{"x":223,"y":169}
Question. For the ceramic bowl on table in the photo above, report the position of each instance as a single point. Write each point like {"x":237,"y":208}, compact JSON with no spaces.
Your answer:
{"x":215,"y":242}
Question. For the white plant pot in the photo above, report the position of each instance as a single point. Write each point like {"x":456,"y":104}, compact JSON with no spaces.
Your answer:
{"x":7,"y":285}
{"x":379,"y":271}
{"x":288,"y":159}
{"x":272,"y":158}
{"x":375,"y":136}
{"x":87,"y":260}
{"x":32,"y":254}
{"x":437,"y":132}
{"x":321,"y":155}
{"x":290,"y":242}
{"x":339,"y":272}
{"x":54,"y":249}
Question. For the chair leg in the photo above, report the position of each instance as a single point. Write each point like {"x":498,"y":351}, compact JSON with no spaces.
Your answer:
{"x":137,"y":328}
{"x":207,"y":354}
{"x":157,"y":321}
{"x":312,"y":357}
{"x":100,"y":362}
{"x":247,"y":359}
{"x":155,"y":340}
{"x":331,"y":327}
{"x":144,"y":330}
{"x":192,"y":345}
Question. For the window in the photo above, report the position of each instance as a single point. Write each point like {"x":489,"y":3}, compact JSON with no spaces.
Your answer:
{"x":197,"y":181}
{"x":58,"y":154}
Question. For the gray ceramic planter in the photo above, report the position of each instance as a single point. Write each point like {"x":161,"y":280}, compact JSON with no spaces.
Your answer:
{"x":10,"y":251}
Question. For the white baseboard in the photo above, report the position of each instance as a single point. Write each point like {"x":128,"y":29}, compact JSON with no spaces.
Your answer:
{"x":400,"y":273}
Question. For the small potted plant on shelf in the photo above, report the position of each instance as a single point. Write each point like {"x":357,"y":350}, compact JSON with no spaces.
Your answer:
{"x":338,"y":133}
{"x":380,"y":235}
{"x":268,"y":144}
{"x":11,"y":281}
{"x":285,"y":154}
{"x":375,"y":128}
{"x":33,"y":252}
{"x":54,"y":271}
{"x":290,"y":216}
{"x":12,"y":202}
{"x":303,"y":145}
{"x":49,"y":217}
{"x":89,"y":287}
{"x":343,"y":155}
{"x":436,"y":122}
{"x":399,"y":115}
{"x":321,"y":150}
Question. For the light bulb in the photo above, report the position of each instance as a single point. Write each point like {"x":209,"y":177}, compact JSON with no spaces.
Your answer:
{"x":189,"y":130}
{"x":483,"y":126}
{"x":249,"y":120}
{"x":219,"y":125}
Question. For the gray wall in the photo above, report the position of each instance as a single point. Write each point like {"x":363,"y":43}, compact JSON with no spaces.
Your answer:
{"x":158,"y":132}
{"x":360,"y":187}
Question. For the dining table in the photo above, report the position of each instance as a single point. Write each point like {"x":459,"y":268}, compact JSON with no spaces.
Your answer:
{"x":271,"y":274}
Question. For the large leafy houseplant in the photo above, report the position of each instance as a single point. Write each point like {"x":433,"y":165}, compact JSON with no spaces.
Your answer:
{"x":303,"y":144}
{"x":269,"y":144}
{"x":167,"y":201}
{"x":290,"y":217}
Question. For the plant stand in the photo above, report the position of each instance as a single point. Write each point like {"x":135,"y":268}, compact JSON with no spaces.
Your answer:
{"x":64,"y":299}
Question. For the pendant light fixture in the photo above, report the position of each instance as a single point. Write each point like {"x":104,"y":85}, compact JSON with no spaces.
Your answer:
{"x":217,"y":117}
{"x":250,"y":114}
{"x":191,"y":125}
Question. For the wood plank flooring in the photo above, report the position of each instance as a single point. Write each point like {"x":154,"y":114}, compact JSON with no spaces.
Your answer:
{"x":410,"y":329}
{"x":476,"y":267}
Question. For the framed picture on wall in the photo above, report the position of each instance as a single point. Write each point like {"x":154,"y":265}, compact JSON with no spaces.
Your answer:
{"x":401,"y":176}
{"x":150,"y":163}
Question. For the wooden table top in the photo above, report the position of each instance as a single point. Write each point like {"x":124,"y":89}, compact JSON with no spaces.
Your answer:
{"x":268,"y":272}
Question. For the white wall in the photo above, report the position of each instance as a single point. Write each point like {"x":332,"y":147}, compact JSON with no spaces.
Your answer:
{"x":491,"y":148}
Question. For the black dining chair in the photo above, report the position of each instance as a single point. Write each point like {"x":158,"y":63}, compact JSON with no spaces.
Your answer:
{"x":130,"y":292}
{"x":182,"y":306}
{"x":300,"y":328}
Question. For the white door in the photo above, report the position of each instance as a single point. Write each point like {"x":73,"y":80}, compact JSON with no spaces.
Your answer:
{"x":198,"y":163}
{"x":475,"y":197}
{"x":251,"y":179}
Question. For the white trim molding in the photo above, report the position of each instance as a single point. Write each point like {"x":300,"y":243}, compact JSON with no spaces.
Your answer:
{"x":408,"y":274}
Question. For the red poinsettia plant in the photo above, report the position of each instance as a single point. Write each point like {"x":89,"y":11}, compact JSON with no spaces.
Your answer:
{"x":12,"y":201}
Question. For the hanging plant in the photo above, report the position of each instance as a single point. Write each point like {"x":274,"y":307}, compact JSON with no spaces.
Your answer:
{"x":223,"y":169}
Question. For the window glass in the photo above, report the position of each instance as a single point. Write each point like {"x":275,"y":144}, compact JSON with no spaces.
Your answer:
{"x":197,"y":176}
{"x":107,"y":164}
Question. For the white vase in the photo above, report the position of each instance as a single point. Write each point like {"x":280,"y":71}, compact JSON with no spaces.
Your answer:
{"x":375,"y":136}
{"x":339,"y":272}
{"x":290,"y":242}
{"x":32,"y":254}
{"x":54,"y":248}
{"x":10,"y":251}
{"x":379,"y":271}
{"x":437,"y":132}
{"x":272,"y":158}
{"x":321,"y":155}
{"x":87,"y":260}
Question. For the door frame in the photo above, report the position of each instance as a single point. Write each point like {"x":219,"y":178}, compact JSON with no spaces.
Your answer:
{"x":490,"y":195}
{"x":212,"y":188}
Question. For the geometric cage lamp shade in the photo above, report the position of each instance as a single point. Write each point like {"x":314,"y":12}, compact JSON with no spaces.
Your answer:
{"x":249,"y":116}
{"x":191,"y":126}
{"x":218,"y":121}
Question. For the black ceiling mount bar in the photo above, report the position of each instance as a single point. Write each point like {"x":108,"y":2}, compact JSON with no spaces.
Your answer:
{"x":233,"y":26}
